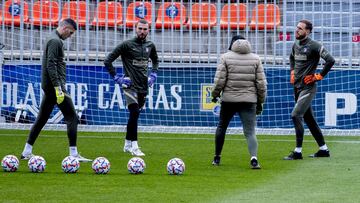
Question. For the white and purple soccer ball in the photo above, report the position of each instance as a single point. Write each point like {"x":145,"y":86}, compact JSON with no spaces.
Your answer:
{"x":70,"y":164}
{"x":10,"y":163}
{"x":101,"y":165}
{"x":175,"y":166}
{"x":37,"y":164}
{"x":136,"y":165}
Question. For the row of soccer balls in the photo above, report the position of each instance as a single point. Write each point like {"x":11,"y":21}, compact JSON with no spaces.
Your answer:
{"x":100,"y":165}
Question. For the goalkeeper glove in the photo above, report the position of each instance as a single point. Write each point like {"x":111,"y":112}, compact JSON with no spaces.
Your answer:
{"x":259,"y":108}
{"x":312,"y":78}
{"x":152,"y":78}
{"x":59,"y":95}
{"x":125,"y":82}
{"x":214,"y":99}
{"x":292,"y":77}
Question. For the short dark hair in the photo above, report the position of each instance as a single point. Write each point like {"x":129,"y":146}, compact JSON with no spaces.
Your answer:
{"x":142,"y":21}
{"x":308,"y":24}
{"x":69,"y":21}
{"x":234,"y":38}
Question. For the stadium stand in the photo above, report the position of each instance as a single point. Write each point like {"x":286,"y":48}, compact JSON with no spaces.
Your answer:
{"x":45,"y":13}
{"x":77,"y":10}
{"x":15,"y":12}
{"x":136,"y":11}
{"x":171,"y":15}
{"x":265,"y":16}
{"x":234,"y":16}
{"x":108,"y":13}
{"x":202,"y":16}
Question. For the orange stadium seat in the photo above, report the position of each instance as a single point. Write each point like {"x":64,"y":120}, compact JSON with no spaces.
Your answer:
{"x":108,"y":14}
{"x":265,"y":17}
{"x":136,"y":11}
{"x":203,"y":16}
{"x":171,"y":15}
{"x":13,"y":12}
{"x":234,"y":16}
{"x":76,"y":10}
{"x":46,"y":13}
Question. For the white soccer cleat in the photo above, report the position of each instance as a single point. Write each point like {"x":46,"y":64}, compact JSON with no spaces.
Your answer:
{"x":26,"y":156}
{"x":81,"y":158}
{"x":137,"y":152}
{"x":127,"y":148}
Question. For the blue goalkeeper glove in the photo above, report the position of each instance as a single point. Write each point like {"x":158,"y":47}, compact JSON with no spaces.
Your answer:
{"x":152,"y":78}
{"x":125,"y":82}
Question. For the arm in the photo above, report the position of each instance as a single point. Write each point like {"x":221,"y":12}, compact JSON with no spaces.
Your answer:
{"x":329,"y":61}
{"x":154,"y":59}
{"x":260,"y":83}
{"x":112,"y":57}
{"x":292,"y":66}
{"x":220,"y":78}
{"x":54,"y":48}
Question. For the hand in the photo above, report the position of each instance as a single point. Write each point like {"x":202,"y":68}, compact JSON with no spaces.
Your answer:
{"x":152,"y":79}
{"x":292,"y":77}
{"x":60,"y":96}
{"x":259,"y":108}
{"x":312,"y":78}
{"x":125,"y":82}
{"x":214,"y":99}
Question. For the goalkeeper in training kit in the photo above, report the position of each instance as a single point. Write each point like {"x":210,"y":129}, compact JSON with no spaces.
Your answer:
{"x":53,"y":82}
{"x":304,"y":58}
{"x":135,"y":54}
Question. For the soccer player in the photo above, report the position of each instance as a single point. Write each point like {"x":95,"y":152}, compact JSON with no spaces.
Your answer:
{"x":53,"y":80}
{"x":241,"y":83}
{"x":135,"y":54}
{"x":304,"y":60}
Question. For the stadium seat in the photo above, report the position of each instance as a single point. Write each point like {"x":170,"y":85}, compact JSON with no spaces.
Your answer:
{"x":171,"y":15}
{"x":265,"y":16}
{"x":234,"y":16}
{"x":45,"y":13}
{"x":108,"y":14}
{"x":13,"y":12}
{"x":203,"y":16}
{"x":76,"y":10}
{"x":136,"y":11}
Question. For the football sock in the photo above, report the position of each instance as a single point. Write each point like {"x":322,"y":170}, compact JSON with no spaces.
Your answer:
{"x":134,"y":144}
{"x":298,"y":149}
{"x":73,"y":151}
{"x":324,"y":147}
{"x":253,"y":157}
{"x":127,"y":142}
{"x":27,"y":149}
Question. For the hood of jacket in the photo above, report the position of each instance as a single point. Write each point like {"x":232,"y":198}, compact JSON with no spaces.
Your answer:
{"x":241,"y":46}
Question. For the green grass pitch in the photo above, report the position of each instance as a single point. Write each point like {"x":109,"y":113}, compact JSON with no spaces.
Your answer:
{"x":334,"y":179}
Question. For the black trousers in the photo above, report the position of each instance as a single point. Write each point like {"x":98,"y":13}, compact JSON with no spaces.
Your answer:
{"x":136,"y":102}
{"x":303,"y":112}
{"x":46,"y":107}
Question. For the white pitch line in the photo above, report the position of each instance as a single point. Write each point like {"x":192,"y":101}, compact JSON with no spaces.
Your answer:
{"x":183,"y":138}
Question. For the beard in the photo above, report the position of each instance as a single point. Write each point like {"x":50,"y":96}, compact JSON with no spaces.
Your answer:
{"x":300,"y":37}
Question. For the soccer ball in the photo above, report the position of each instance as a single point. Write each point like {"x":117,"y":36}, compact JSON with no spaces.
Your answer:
{"x":175,"y":166}
{"x":70,"y":164}
{"x":136,"y":165}
{"x":37,"y":164}
{"x":10,"y":163}
{"x":101,"y":165}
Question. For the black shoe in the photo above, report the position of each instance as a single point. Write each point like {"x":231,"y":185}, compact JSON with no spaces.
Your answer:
{"x":216,"y":161}
{"x":294,"y":156}
{"x":321,"y":153}
{"x":255,"y":164}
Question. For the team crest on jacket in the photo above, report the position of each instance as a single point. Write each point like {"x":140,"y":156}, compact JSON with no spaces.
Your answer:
{"x":147,"y":49}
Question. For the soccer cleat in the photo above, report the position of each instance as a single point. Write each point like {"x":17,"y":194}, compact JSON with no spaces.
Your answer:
{"x":320,"y":153}
{"x":294,"y":156}
{"x":216,"y":161}
{"x":26,"y":156}
{"x":137,"y":152}
{"x":255,"y":164}
{"x":127,"y":148}
{"x":81,"y":158}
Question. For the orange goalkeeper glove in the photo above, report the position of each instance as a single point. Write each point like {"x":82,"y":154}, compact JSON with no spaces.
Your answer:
{"x":312,"y":78}
{"x":292,"y":77}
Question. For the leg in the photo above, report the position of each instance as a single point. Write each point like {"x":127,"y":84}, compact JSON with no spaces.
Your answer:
{"x":132,"y":125}
{"x":314,"y":127}
{"x":248,"y":118}
{"x":226,"y":113}
{"x":68,"y":110}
